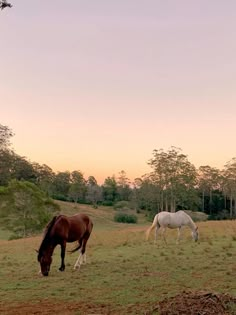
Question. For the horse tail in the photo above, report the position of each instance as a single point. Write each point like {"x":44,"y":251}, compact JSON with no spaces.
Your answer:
{"x":154,"y":224}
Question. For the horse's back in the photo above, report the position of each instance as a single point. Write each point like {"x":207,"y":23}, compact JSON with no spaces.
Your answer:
{"x":81,"y":220}
{"x":74,"y":227}
{"x":172,"y":219}
{"x":164,"y":218}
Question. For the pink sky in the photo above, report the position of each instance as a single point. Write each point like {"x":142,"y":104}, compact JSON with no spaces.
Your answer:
{"x":96,"y":86}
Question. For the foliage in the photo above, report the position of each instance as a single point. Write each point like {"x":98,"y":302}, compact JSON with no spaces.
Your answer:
{"x":61,"y":184}
{"x":173,"y":183}
{"x":110,"y":189}
{"x":5,"y":135}
{"x":24,"y":208}
{"x":122,"y":217}
{"x":121,"y":205}
{"x":107,"y":203}
{"x":123,"y":186}
{"x":222,"y":215}
{"x":197,"y":216}
{"x":174,"y":176}
{"x":229,"y":185}
{"x":77,"y":187}
{"x":208,"y":182}
{"x":94,"y":194}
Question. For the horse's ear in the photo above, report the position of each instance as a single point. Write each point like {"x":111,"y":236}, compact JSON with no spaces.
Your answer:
{"x":196,"y":228}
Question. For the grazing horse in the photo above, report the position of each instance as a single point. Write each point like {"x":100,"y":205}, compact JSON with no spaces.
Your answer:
{"x":60,"y":230}
{"x":171,"y":220}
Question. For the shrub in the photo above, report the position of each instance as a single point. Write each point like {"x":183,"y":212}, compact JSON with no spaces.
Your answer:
{"x":223,"y":215}
{"x":125,"y":218}
{"x":107,"y":203}
{"x":121,"y":205}
{"x":197,"y":216}
{"x":25,"y":209}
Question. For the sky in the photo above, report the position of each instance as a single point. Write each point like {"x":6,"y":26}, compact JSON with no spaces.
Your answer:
{"x":97,"y":85}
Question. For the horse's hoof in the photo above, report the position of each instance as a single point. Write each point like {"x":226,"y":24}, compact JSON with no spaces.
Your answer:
{"x":77,"y":267}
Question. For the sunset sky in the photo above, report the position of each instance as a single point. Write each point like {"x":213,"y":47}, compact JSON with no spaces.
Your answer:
{"x":97,"y":85}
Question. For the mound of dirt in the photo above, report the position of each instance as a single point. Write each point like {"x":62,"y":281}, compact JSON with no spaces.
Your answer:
{"x":197,"y":303}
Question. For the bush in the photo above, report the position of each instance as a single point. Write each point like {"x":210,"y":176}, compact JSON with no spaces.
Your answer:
{"x":197,"y":216}
{"x":25,"y":209}
{"x":107,"y":203}
{"x":223,"y":215}
{"x":122,"y":205}
{"x":125,"y":218}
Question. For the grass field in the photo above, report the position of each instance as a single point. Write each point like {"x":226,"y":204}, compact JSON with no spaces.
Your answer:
{"x":124,"y":273}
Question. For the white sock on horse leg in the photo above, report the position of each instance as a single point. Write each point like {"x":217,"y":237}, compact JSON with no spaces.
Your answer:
{"x":78,"y":262}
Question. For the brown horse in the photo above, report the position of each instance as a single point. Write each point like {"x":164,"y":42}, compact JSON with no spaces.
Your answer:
{"x":60,"y":230}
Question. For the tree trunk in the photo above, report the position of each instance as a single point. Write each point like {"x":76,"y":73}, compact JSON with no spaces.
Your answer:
{"x":210,"y":202}
{"x":173,"y":205}
{"x":166,"y":204}
{"x":203,"y":201}
{"x":161,"y":201}
{"x":231,"y":206}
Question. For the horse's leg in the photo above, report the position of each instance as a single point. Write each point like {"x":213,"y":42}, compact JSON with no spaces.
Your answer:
{"x":156,"y":234}
{"x":78,"y":263}
{"x":63,"y":251}
{"x":163,"y":235}
{"x":179,"y":235}
{"x":82,"y":256}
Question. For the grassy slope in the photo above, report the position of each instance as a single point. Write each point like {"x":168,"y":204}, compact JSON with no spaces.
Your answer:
{"x":123,"y":271}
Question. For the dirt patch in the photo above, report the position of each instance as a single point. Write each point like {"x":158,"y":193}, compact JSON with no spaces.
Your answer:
{"x":49,"y":308}
{"x":185,"y":303}
{"x":197,"y":303}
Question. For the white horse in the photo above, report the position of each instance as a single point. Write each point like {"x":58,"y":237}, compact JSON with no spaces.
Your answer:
{"x":171,"y":220}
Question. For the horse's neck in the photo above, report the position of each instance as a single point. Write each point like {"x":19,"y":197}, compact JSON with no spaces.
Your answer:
{"x":191,"y":224}
{"x":50,"y":249}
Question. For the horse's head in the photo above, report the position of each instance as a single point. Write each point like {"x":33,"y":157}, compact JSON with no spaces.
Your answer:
{"x":45,"y":260}
{"x":195,"y":234}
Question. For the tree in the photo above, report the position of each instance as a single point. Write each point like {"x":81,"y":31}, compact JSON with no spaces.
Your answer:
{"x":208,"y":181}
{"x":61,"y":185}
{"x":109,"y":189}
{"x":123,"y":186}
{"x":6,"y":161}
{"x":94,"y":192}
{"x":175,"y":178}
{"x":78,"y":186}
{"x":44,"y":177}
{"x":229,"y":184}
{"x":24,"y":208}
{"x":5,"y":135}
{"x":4,"y":4}
{"x":22,"y":169}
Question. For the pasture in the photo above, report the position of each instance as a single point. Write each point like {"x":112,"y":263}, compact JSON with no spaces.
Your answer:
{"x":124,"y":273}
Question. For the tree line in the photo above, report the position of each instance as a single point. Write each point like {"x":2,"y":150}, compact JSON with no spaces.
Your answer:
{"x":173,"y":183}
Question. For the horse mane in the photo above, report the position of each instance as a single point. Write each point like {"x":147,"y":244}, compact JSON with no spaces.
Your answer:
{"x":191,"y":222}
{"x":47,"y":232}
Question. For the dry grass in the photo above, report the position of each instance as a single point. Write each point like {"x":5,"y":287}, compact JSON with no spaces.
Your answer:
{"x":124,"y":273}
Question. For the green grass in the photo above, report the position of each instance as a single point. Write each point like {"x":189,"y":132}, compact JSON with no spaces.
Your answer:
{"x":124,"y":273}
